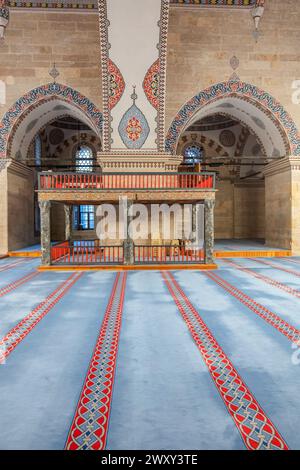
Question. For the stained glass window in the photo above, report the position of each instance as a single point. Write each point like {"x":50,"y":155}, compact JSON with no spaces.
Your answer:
{"x":84,"y":159}
{"x":193,"y":154}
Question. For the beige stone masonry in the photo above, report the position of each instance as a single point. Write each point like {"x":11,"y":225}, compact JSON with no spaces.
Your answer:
{"x":283,"y":204}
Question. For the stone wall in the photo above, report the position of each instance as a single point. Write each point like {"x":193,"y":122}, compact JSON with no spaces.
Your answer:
{"x":278,"y":204}
{"x":249,"y":210}
{"x":202,"y":41}
{"x":3,"y":212}
{"x":35,"y":39}
{"x":20,"y":202}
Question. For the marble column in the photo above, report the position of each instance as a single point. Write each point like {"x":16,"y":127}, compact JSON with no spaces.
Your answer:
{"x":128,"y":243}
{"x":209,"y":205}
{"x":68,"y":221}
{"x":45,"y":207}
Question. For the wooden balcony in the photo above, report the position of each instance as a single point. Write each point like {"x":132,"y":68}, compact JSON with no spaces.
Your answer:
{"x":89,"y":188}
{"x":126,"y":181}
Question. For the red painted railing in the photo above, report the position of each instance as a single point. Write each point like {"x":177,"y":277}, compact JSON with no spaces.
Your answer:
{"x":91,"y":252}
{"x":164,"y":254}
{"x":125,"y":181}
{"x":86,"y":253}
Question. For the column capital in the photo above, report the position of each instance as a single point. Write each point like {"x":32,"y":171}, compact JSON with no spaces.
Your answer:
{"x":209,"y":203}
{"x":44,"y":205}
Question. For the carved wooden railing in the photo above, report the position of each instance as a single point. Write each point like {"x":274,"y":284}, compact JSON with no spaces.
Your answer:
{"x":126,"y":181}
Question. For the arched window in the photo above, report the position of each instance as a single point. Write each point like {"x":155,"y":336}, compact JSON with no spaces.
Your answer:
{"x":193,"y":154}
{"x":84,"y":216}
{"x":84,"y":159}
{"x":38,"y":150}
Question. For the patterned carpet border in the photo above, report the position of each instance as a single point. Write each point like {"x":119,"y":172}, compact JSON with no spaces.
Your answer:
{"x":256,"y":429}
{"x":292,"y":333}
{"x":19,"y":282}
{"x":11,"y":340}
{"x":6,"y":267}
{"x":90,"y":424}
{"x":275,"y":266}
{"x":266,"y":279}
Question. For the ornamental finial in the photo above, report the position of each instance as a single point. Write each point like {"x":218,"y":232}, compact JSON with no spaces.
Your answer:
{"x":54,"y":73}
{"x":134,"y":96}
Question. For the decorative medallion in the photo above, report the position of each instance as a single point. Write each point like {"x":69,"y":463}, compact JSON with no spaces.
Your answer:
{"x":134,"y":128}
{"x":54,"y":73}
{"x":151,"y":84}
{"x":56,"y":136}
{"x":116,"y":84}
{"x":227,"y":138}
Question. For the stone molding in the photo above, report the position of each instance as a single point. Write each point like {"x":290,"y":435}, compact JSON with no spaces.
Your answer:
{"x":90,"y":196}
{"x":146,"y":161}
{"x":286,"y":164}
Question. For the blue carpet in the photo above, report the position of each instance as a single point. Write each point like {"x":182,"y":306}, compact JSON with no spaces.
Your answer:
{"x":164,"y":397}
{"x":41,"y":382}
{"x":261,"y":354}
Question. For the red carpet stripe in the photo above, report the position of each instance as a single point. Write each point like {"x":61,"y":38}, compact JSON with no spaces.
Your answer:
{"x":289,"y":260}
{"x":256,"y":429}
{"x":14,"y":285}
{"x":12,"y":265}
{"x":25,"y":326}
{"x":292,"y":333}
{"x":90,"y":425}
{"x":263,"y":278}
{"x":275,"y":266}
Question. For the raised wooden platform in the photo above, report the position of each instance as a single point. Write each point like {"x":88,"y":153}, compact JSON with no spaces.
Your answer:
{"x":24,"y":254}
{"x":253,"y":254}
{"x":144,"y":267}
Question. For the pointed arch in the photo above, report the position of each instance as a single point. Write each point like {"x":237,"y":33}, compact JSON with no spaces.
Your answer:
{"x":248,"y":94}
{"x":39,"y":96}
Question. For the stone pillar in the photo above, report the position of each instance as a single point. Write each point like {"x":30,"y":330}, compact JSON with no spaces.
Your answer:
{"x":194,"y":221}
{"x":45,"y":207}
{"x":68,"y":221}
{"x":282,"y":199}
{"x":128,"y":243}
{"x":209,"y":205}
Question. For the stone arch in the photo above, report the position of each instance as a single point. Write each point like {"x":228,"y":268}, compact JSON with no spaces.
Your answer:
{"x":37,"y":103}
{"x":254,"y":103}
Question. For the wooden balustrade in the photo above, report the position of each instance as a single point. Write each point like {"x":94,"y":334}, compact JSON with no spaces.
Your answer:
{"x":91,"y":252}
{"x":86,"y":253}
{"x":125,"y":181}
{"x":164,"y":254}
